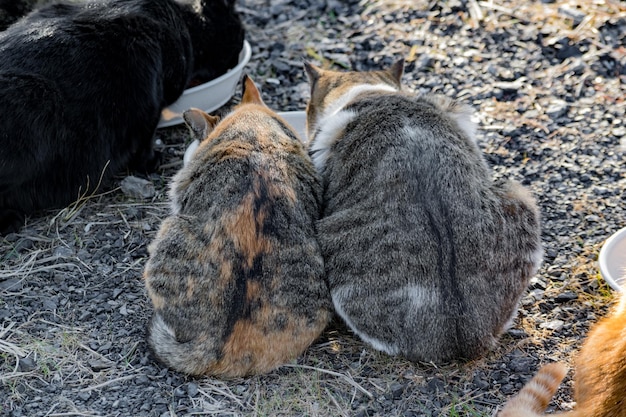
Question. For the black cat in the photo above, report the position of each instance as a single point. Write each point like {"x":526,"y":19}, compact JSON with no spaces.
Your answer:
{"x":82,"y":86}
{"x":12,"y":10}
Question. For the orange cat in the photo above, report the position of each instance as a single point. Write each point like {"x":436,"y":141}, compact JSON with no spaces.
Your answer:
{"x":600,"y":384}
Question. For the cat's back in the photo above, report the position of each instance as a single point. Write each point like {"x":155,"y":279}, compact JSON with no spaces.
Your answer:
{"x":122,"y":59}
{"x":406,"y":146}
{"x":72,"y":33}
{"x":435,"y":132}
{"x":251,"y":191}
{"x":253,"y":158}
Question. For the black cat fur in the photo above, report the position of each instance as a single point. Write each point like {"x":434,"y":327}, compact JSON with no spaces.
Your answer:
{"x":82,"y":86}
{"x":12,"y":10}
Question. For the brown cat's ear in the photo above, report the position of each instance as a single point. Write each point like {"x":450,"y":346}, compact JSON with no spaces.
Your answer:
{"x":396,"y":70}
{"x":200,"y":123}
{"x":312,"y":72}
{"x":251,"y":93}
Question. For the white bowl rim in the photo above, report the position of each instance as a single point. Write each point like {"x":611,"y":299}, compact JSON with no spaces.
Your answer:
{"x":603,"y":258}
{"x":247,"y":53}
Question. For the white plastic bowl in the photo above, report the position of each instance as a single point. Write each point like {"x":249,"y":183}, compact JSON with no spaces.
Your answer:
{"x":296,"y":119}
{"x":612,"y":260}
{"x":208,"y":96}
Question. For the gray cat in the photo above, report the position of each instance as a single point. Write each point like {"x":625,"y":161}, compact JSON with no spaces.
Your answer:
{"x":235,"y":273}
{"x":425,"y":255}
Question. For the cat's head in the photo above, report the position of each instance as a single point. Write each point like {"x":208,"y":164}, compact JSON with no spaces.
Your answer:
{"x":328,"y":87}
{"x":217,"y":36}
{"x":202,"y":124}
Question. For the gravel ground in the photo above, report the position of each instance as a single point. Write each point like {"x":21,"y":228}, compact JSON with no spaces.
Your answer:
{"x":548,"y":84}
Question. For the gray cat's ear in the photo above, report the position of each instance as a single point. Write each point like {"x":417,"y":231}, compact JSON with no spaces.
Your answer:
{"x":312,"y":72}
{"x":251,"y":93}
{"x":200,"y":123}
{"x":396,"y":70}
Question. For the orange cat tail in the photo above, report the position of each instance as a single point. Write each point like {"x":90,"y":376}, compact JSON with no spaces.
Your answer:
{"x":533,"y":399}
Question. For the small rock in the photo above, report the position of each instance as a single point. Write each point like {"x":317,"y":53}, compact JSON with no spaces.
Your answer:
{"x":537,"y":283}
{"x":618,"y":132}
{"x":192,"y":389}
{"x":566,"y":296}
{"x":49,"y":304}
{"x":27,"y":364}
{"x":23,"y":245}
{"x":537,"y":294}
{"x":11,"y":284}
{"x":435,"y":385}
{"x":576,"y":15}
{"x":142,"y":380}
{"x":521,"y":365}
{"x":62,"y":252}
{"x":425,"y":62}
{"x":517,"y":333}
{"x":555,"y":325}
{"x":507,"y":389}
{"x":280,"y":66}
{"x":99,"y":365}
{"x":397,"y":390}
{"x":557,"y":108}
{"x":180,"y":392}
{"x":84,"y":395}
{"x":137,"y":187}
{"x":509,"y":87}
{"x":105,"y":348}
{"x":568,"y":50}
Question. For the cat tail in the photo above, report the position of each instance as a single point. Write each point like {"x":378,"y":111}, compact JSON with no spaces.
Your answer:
{"x":533,"y":399}
{"x":173,"y":353}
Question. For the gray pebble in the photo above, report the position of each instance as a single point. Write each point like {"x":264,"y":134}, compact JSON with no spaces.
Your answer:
{"x":555,"y":325}
{"x":27,"y":364}
{"x":137,"y":187}
{"x":192,"y":389}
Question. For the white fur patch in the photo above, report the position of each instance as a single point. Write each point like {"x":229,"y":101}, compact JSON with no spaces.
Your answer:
{"x":189,"y":151}
{"x":175,"y":206}
{"x":419,"y":296}
{"x":465,"y":122}
{"x":332,"y":122}
{"x":511,"y":321}
{"x":159,"y":325}
{"x":537,"y":257}
{"x":409,"y":132}
{"x":351,"y":94}
{"x":345,"y":293}
{"x":333,"y":128}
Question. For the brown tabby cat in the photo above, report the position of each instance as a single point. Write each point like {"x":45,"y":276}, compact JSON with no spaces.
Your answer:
{"x":235,"y":273}
{"x":600,"y":380}
{"x":426,"y":255}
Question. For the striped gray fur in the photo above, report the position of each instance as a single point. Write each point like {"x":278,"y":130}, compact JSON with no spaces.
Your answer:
{"x":425,"y":254}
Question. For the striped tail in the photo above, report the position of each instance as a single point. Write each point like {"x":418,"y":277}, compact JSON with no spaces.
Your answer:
{"x":533,"y":399}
